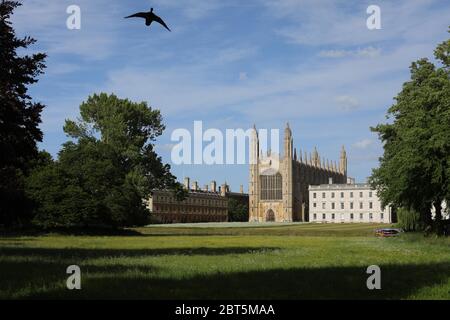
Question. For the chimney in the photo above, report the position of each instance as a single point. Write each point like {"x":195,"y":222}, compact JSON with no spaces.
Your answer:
{"x":330,"y":180}
{"x":213,"y":186}
{"x":206,"y":188}
{"x":195,"y":186}
{"x":241,"y":189}
{"x":186,"y":183}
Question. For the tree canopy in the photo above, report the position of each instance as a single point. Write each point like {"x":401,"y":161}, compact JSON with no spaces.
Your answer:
{"x":414,"y":170}
{"x":19,"y":116}
{"x":103,"y":176}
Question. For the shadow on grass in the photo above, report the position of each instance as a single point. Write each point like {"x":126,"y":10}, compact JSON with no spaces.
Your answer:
{"x":82,"y":253}
{"x":398,"y":282}
{"x":168,"y":230}
{"x":22,"y":268}
{"x":94,"y":231}
{"x":40,"y":274}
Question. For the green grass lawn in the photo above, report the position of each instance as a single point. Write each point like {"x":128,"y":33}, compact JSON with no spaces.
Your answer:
{"x":294,"y":261}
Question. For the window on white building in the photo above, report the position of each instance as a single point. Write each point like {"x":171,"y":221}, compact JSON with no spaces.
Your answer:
{"x":314,"y":205}
{"x":351,"y":194}
{"x":332,"y":205}
{"x":332,"y":216}
{"x":360,"y":205}
{"x":324,"y":216}
{"x":323,"y":195}
{"x":342,"y":194}
{"x":332,"y":194}
{"x":351,"y":205}
{"x":361,"y":216}
{"x":370,"y":205}
{"x":323,"y":205}
{"x":314,"y":195}
{"x":361,"y":194}
{"x":315,"y":216}
{"x":351,"y":216}
{"x":382,"y":216}
{"x":342,"y":205}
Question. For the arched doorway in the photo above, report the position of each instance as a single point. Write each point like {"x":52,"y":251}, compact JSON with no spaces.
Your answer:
{"x":270,"y":216}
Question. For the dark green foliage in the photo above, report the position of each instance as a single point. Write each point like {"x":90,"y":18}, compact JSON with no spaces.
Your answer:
{"x":19,"y":118}
{"x":86,"y":187}
{"x":237,"y":211}
{"x":102,"y":177}
{"x":414,"y":170}
{"x":409,"y":220}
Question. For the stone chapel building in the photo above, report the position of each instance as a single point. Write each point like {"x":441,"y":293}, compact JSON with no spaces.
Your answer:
{"x":278,"y":187}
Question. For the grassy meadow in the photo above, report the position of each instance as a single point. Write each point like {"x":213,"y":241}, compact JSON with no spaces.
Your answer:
{"x":242,"y":261}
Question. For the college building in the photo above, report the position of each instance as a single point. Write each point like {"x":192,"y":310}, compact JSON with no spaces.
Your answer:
{"x":207,"y":204}
{"x":339,"y":203}
{"x":278,"y":186}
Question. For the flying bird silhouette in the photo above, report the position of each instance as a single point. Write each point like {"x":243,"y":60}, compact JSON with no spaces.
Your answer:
{"x":149,"y":18}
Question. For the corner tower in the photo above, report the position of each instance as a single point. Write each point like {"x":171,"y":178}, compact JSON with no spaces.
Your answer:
{"x":287,"y":174}
{"x":343,"y":162}
{"x":253,"y":188}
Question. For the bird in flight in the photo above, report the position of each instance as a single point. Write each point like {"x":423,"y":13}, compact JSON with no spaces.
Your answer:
{"x":149,"y":18}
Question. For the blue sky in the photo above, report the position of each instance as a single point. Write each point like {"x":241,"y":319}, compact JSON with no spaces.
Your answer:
{"x":235,"y":63}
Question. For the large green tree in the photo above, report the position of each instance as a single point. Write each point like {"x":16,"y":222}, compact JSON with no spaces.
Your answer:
{"x":414,"y":170}
{"x":105,"y":173}
{"x":19,"y":117}
{"x":237,"y":211}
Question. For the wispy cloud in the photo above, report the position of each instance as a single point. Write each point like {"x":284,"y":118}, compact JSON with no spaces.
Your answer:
{"x":363,"y":144}
{"x":234,"y":63}
{"x":243,"y":76}
{"x":347,"y":103}
{"x":192,"y":9}
{"x":94,"y":41}
{"x":344,"y":22}
{"x":368,"y":52}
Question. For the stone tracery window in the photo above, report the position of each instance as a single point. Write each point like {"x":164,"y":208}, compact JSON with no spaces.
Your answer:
{"x":271,"y":187}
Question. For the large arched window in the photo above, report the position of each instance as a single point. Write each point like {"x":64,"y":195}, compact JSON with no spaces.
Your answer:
{"x":271,"y":187}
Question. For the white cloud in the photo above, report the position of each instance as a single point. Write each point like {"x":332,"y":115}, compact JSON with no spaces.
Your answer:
{"x":192,"y":9}
{"x":47,"y":23}
{"x":62,"y":68}
{"x":367,"y":52}
{"x":167,"y":147}
{"x":243,"y":76}
{"x":333,"y":53}
{"x":233,"y":54}
{"x":347,"y":103}
{"x":271,"y":93}
{"x":307,"y":23}
{"x":363,"y":144}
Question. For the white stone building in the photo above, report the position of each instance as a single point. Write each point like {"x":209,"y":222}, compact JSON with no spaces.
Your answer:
{"x":339,"y":203}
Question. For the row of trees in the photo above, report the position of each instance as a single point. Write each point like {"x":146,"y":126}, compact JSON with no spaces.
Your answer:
{"x":102,"y":173}
{"x":414,"y":172}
